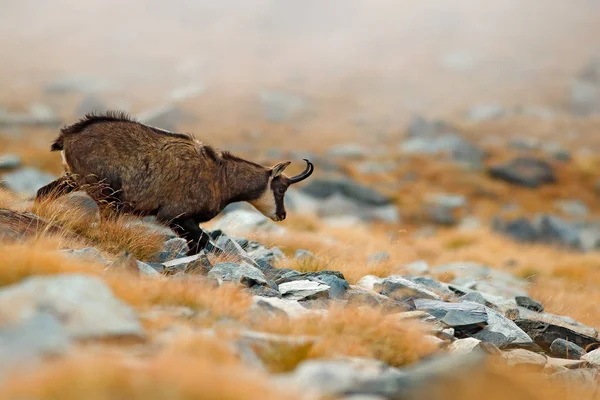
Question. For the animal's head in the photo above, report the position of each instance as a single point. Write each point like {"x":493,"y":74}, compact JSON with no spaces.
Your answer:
{"x":271,"y":203}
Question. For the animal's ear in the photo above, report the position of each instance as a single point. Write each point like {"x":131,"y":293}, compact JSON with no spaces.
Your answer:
{"x":278,"y":168}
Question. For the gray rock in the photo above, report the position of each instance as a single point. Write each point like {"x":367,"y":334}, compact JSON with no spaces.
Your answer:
{"x":544,"y":334}
{"x":84,"y":305}
{"x":9,"y":161}
{"x":303,"y":290}
{"x":577,"y":379}
{"x":524,"y":171}
{"x":503,"y":332}
{"x":376,"y":167}
{"x":37,"y":115}
{"x":324,"y":188}
{"x":78,"y":84}
{"x":88,"y":253}
{"x":33,"y":338}
{"x":465,"y":321}
{"x":520,"y":229}
{"x":431,"y":284}
{"x":166,"y":117}
{"x":414,"y":382}
{"x":474,"y":297}
{"x":529,"y":303}
{"x":83,"y":203}
{"x":400,"y":289}
{"x":485,"y":112}
{"x":573,"y":208}
{"x":593,"y":357}
{"x":280,"y":106}
{"x":291,"y":308}
{"x":564,"y":349}
{"x":441,"y":208}
{"x":334,"y":377}
{"x":343,"y":209}
{"x":243,"y":223}
{"x":146,"y":270}
{"x":196,"y":264}
{"x":469,"y":345}
{"x":264,"y":291}
{"x":337,"y":286}
{"x":500,"y":331}
{"x":242,"y":274}
{"x":522,"y":357}
{"x":424,"y":128}
{"x":585,"y":89}
{"x":358,"y":296}
{"x":26,"y":180}
{"x":556,"y":151}
{"x":552,"y":229}
{"x":172,"y":249}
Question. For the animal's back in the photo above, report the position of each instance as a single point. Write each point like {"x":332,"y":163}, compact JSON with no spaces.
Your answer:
{"x":142,"y":166}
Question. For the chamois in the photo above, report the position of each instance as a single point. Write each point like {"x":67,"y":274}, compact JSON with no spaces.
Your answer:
{"x":133,"y":168}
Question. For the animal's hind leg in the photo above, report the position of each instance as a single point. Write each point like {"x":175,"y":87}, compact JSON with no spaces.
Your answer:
{"x":188,"y":229}
{"x":59,"y":187}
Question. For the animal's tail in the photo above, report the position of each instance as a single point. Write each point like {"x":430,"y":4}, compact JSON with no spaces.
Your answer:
{"x":58,"y":143}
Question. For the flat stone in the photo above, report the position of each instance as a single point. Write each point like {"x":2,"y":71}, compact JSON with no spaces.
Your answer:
{"x":464,"y":346}
{"x":26,"y":180}
{"x":9,"y":161}
{"x":399,"y":288}
{"x":171,"y":249}
{"x":522,"y":357}
{"x":241,"y":274}
{"x":544,"y":334}
{"x":593,"y":357}
{"x":334,"y":377}
{"x":463,"y":321}
{"x":80,"y":303}
{"x":503,"y":332}
{"x":89,"y":254}
{"x":564,"y":349}
{"x":304,"y":290}
{"x":196,"y":264}
{"x":31,"y":339}
{"x":529,"y":303}
{"x":291,"y":308}
{"x":474,"y":297}
{"x":524,"y":171}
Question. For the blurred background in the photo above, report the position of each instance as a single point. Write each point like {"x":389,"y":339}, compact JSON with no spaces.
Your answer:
{"x":370,"y":90}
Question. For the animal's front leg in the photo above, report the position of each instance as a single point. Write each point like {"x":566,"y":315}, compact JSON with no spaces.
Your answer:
{"x":188,"y":229}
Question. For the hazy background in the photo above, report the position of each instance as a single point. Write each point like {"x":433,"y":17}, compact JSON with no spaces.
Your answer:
{"x":358,"y":68}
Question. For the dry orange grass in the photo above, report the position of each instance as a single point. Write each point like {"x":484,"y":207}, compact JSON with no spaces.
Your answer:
{"x":225,"y":301}
{"x":167,"y":377}
{"x":356,"y":332}
{"x":113,"y":234}
{"x":38,"y":257}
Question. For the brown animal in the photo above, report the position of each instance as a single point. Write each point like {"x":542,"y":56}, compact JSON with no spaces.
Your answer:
{"x":142,"y":170}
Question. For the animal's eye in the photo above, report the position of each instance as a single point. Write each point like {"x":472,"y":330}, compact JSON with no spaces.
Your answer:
{"x":281,"y":190}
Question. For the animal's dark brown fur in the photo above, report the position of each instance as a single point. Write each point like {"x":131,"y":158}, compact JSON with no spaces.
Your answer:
{"x":144,"y":170}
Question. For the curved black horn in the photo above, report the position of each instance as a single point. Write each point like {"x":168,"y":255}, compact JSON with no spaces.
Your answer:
{"x":307,"y":172}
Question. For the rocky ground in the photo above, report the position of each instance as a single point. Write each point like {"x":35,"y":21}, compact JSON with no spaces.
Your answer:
{"x":481,"y":292}
{"x":446,"y":247}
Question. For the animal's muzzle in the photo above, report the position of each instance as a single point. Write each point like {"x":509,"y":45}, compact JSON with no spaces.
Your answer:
{"x":279,"y":217}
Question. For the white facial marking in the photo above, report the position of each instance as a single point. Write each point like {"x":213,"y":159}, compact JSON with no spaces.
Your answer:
{"x":64,"y":159}
{"x":266,"y":203}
